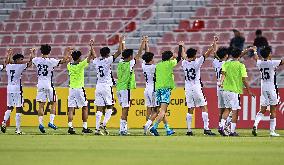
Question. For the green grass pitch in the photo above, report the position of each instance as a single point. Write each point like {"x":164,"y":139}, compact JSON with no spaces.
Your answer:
{"x":56,"y":147}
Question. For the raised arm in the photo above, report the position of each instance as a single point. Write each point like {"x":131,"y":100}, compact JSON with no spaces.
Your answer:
{"x":92,"y":53}
{"x":181,"y":50}
{"x":8,"y":57}
{"x":142,"y":45}
{"x":120,"y":47}
{"x":32,"y":55}
{"x":212,"y":47}
{"x":66,"y":57}
{"x":147,"y":48}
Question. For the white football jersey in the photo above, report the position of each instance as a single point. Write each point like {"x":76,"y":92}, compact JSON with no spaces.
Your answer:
{"x":14,"y":73}
{"x":217,"y":64}
{"x":1,"y":67}
{"x":45,"y":68}
{"x":149,"y":73}
{"x":267,"y":71}
{"x":103,"y":69}
{"x":192,"y":71}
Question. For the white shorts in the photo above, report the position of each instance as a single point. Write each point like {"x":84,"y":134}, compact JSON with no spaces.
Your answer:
{"x":14,"y":99}
{"x":124,"y":98}
{"x":103,"y":95}
{"x":220,"y":95}
{"x":194,"y":96}
{"x":231,"y":100}
{"x":77,"y":98}
{"x":150,"y":97}
{"x":268,"y":98}
{"x":44,"y":95}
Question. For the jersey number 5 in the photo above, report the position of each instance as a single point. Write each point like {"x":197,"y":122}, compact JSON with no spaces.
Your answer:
{"x":190,"y":74}
{"x":101,"y":70}
{"x":42,"y":70}
{"x":265,"y":73}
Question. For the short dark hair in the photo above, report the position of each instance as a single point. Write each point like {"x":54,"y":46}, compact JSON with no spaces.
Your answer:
{"x":258,"y":32}
{"x":222,"y":52}
{"x":127,"y":53}
{"x":235,"y":52}
{"x":76,"y":54}
{"x":104,"y":51}
{"x":17,"y":56}
{"x":166,"y":55}
{"x":147,"y":57}
{"x":190,"y":53}
{"x":45,"y":49}
{"x":265,"y":51}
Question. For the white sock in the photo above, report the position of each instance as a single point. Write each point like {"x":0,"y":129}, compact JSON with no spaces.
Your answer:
{"x":223,"y":123}
{"x":233,"y":127}
{"x":122,"y":125}
{"x":98,"y":119}
{"x":126,"y":126}
{"x":107,"y":116}
{"x":272,"y":124}
{"x":52,"y":116}
{"x":148,"y":124}
{"x":6,"y":116}
{"x":18,"y":121}
{"x":258,"y":118}
{"x":70,"y":124}
{"x":40,"y":120}
{"x":188,"y":121}
{"x":205,"y":120}
{"x":85,"y":125}
{"x":228,"y":121}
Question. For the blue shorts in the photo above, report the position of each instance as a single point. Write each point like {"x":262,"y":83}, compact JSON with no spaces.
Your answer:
{"x":163,"y":96}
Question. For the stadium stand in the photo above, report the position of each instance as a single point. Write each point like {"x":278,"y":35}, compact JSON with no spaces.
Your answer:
{"x":74,"y":22}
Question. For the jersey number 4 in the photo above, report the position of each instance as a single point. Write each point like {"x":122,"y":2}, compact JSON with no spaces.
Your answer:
{"x":42,"y":70}
{"x":190,"y":74}
{"x":265,"y":73}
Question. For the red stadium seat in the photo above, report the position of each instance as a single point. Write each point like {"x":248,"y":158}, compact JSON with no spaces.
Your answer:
{"x":56,"y":52}
{"x":6,"y":40}
{"x":269,"y":36}
{"x":119,"y":13}
{"x":59,"y":39}
{"x":197,"y":25}
{"x":121,"y":2}
{"x":225,"y":37}
{"x":244,"y":1}
{"x":257,"y":1}
{"x":33,"y":39}
{"x":242,"y":11}
{"x":53,"y":14}
{"x":19,"y":40}
{"x":10,"y":27}
{"x":63,"y":26}
{"x":208,"y":37}
{"x":40,"y":14}
{"x":79,"y":14}
{"x":95,"y":3}
{"x":213,"y":12}
{"x":100,"y":39}
{"x":147,"y":14}
{"x":1,"y":26}
{"x":135,"y":3}
{"x":148,"y":2}
{"x":103,"y":26}
{"x":36,"y":27}
{"x":15,"y":14}
{"x":85,"y":39}
{"x":56,"y":3}
{"x":72,"y":39}
{"x":216,"y":1}
{"x":31,"y":3}
{"x":240,"y":24}
{"x":106,"y":13}
{"x":271,"y":11}
{"x":256,"y":11}
{"x":154,"y":50}
{"x":27,"y":14}
{"x":281,"y":11}
{"x":280,"y":24}
{"x":183,"y":26}
{"x":43,"y":3}
{"x":226,"y":24}
{"x":269,"y":22}
{"x":23,"y":27}
{"x":250,"y":37}
{"x":66,"y":14}
{"x":46,"y":39}
{"x":168,"y":38}
{"x":131,"y":13}
{"x":212,"y":24}
{"x":182,"y":37}
{"x":50,"y":26}
{"x":228,"y":11}
{"x":82,"y":3}
{"x":195,"y":38}
{"x":280,"y":36}
{"x":89,"y":26}
{"x":279,"y":51}
{"x":69,"y":3}
{"x":200,"y":12}
{"x":229,"y":1}
{"x":116,"y":25}
{"x":75,"y":26}
{"x":108,"y":2}
{"x":92,"y":14}
{"x":113,"y":40}
{"x":253,"y":24}
{"x":130,"y":27}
